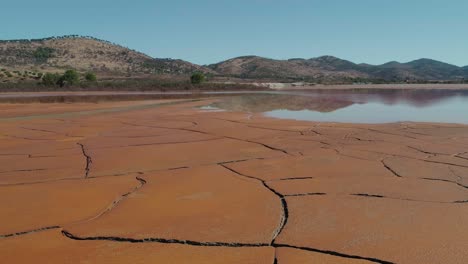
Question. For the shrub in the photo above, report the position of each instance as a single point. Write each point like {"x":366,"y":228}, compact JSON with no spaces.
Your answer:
{"x":197,"y":78}
{"x":42,"y":54}
{"x":90,"y":77}
{"x":70,"y":77}
{"x":50,"y":79}
{"x":8,"y":74}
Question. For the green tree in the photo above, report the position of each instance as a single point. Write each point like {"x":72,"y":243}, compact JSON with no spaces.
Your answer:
{"x":90,"y":77}
{"x":50,"y":79}
{"x":70,"y":77}
{"x":42,"y":54}
{"x":197,"y":78}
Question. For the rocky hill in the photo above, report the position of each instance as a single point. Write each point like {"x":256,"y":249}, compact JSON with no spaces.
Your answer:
{"x":258,"y":67}
{"x":332,"y":68}
{"x":29,"y":59}
{"x":84,"y":54}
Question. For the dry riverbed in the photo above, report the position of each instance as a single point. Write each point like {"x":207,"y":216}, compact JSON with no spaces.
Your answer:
{"x":165,"y":182}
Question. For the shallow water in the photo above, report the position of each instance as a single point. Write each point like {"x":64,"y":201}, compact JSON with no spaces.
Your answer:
{"x":357,"y":107}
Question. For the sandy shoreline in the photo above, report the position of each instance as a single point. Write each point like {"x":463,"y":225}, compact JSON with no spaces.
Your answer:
{"x":190,"y":186}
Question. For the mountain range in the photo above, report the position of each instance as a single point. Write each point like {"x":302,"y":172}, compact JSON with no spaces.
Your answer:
{"x":112,"y":60}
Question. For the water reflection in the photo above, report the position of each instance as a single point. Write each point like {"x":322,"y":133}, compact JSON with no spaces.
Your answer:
{"x":357,"y":107}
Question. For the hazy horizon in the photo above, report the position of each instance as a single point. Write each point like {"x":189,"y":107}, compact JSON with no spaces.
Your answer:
{"x":206,"y":32}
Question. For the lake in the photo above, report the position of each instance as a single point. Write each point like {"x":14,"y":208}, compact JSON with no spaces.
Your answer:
{"x":377,"y":106}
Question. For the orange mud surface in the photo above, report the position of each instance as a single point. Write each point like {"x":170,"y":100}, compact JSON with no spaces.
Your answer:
{"x":164,"y":182}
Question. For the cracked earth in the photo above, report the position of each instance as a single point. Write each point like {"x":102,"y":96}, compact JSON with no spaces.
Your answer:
{"x":163,"y":182}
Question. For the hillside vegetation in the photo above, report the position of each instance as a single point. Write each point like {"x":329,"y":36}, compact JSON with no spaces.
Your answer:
{"x":28,"y":61}
{"x":332,"y":69}
{"x":84,"y":54}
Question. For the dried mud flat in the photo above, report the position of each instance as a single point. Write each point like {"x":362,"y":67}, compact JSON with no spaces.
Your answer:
{"x":163,"y":182}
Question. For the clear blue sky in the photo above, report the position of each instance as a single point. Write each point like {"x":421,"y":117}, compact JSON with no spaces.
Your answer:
{"x":208,"y":31}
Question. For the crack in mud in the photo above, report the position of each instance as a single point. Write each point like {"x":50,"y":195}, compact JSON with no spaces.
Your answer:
{"x":427,"y":152}
{"x":166,"y":241}
{"x":445,"y":163}
{"x":215,"y":135}
{"x":368,"y":195}
{"x":444,"y":180}
{"x":40,"y":130}
{"x":277,"y":129}
{"x":237,"y":161}
{"x":295,"y":178}
{"x":30,"y":231}
{"x":345,"y":155}
{"x":89,"y":160}
{"x":402,"y":199}
{"x":118,"y":200}
{"x":261,"y":144}
{"x":386,"y":166}
{"x":388,"y":133}
{"x":284,"y":205}
{"x":305,"y":194}
{"x":461,"y":157}
{"x":161,"y":143}
{"x":334,"y":253}
{"x":22,"y":170}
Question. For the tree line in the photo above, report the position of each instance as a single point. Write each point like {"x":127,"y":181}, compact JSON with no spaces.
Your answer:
{"x":68,"y":78}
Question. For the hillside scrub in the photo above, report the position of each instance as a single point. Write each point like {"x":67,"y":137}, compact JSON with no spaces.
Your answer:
{"x":90,"y":77}
{"x":197,"y":78}
{"x":122,"y":85}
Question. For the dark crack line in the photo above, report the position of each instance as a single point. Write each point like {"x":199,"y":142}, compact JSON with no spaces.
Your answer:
{"x":427,"y":152}
{"x":368,"y":195}
{"x":295,"y":178}
{"x":393,"y":134}
{"x":461,"y":157}
{"x":402,"y":199}
{"x":23,"y":170}
{"x":33,"y":139}
{"x":365,"y":140}
{"x":218,"y":244}
{"x":275,"y":260}
{"x":284,"y":204}
{"x":277,"y":129}
{"x":166,"y":241}
{"x":333,"y":253}
{"x":238,"y":161}
{"x":305,"y":194}
{"x":39,"y":182}
{"x":30,"y":231}
{"x":390,"y":169}
{"x":443,"y":180}
{"x":40,"y":130}
{"x":6,"y":154}
{"x":118,"y":200}
{"x":89,"y":160}
{"x":445,"y":163}
{"x":206,"y":133}
{"x":238,"y":173}
{"x":314,"y":131}
{"x":261,"y":144}
{"x":345,"y":155}
{"x":38,"y":157}
{"x":162,"y":143}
